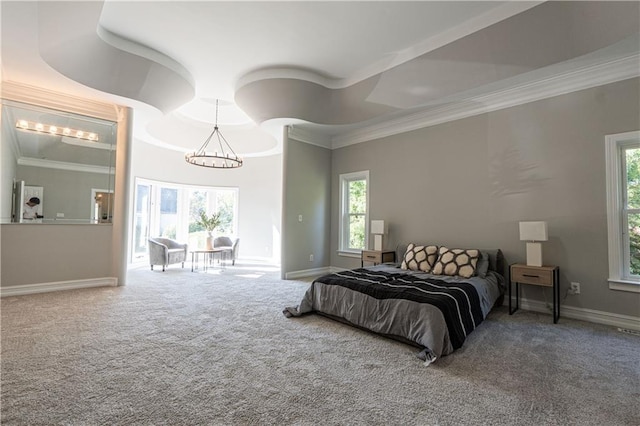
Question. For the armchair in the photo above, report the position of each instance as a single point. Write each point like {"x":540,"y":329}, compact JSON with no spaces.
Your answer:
{"x":165,"y":251}
{"x":231,"y":247}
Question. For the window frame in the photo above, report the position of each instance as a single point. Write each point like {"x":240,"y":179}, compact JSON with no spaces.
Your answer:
{"x":617,"y":212}
{"x":343,"y":238}
{"x":183,"y":199}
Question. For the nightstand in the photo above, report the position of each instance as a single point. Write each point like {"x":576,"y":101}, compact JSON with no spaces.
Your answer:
{"x":377,"y":256}
{"x":545,"y":276}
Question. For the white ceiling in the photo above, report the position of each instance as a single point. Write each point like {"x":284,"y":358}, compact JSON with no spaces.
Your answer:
{"x":329,"y":67}
{"x":220,"y":42}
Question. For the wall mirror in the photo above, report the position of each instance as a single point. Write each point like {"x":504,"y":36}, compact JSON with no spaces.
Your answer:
{"x":66,"y":161}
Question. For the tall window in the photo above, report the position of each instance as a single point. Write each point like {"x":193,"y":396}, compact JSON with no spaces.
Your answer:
{"x":623,"y":214}
{"x":168,"y":212}
{"x":211,"y":200}
{"x":171,"y":210}
{"x":141,"y":217}
{"x":354,"y":208}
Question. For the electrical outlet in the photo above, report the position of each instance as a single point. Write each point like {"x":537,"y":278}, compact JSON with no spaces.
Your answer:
{"x":575,"y":288}
{"x":310,"y":258}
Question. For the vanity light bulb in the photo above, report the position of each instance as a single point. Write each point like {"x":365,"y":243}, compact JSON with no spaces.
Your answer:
{"x":79,"y":134}
{"x":39,"y":127}
{"x":53,"y":129}
{"x":66,"y":131}
{"x":92,"y":136}
{"x":23,"y":124}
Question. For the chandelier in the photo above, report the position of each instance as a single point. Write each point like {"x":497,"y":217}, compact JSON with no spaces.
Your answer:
{"x":223,"y":157}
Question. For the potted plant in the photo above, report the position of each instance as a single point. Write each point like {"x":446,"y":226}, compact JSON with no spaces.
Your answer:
{"x":209,"y":223}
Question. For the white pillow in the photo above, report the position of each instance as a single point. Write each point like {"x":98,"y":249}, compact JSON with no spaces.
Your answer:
{"x":461,"y":262}
{"x":419,"y":258}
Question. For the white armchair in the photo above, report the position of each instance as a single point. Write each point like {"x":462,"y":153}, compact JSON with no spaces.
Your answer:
{"x":165,"y":251}
{"x":230,"y":246}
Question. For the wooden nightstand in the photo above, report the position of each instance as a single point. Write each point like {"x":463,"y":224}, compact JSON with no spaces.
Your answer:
{"x":377,"y":256}
{"x":545,"y":276}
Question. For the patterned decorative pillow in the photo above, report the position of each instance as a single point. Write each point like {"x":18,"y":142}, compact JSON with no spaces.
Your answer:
{"x":419,"y":258}
{"x":459,"y":262}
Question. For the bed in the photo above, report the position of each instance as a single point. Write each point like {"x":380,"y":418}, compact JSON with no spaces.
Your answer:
{"x":433,"y":298}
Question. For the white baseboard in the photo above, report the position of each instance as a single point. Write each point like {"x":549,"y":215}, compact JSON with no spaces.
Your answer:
{"x":304,"y":273}
{"x":583,"y":314}
{"x":313,"y":272}
{"x":262,"y":259}
{"x":19,"y":290}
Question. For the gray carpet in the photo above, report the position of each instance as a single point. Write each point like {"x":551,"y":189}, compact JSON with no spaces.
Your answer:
{"x":183,"y":348}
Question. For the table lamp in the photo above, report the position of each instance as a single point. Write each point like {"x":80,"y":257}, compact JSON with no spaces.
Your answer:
{"x":378,"y":229}
{"x":532,"y":232}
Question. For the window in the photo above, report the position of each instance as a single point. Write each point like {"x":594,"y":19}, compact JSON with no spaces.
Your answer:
{"x":211,"y":200}
{"x":141,"y":218}
{"x":171,"y":210}
{"x":623,"y":210}
{"x":168,"y":213}
{"x":354,"y":212}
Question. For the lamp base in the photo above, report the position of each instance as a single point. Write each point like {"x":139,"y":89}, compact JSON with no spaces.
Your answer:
{"x":377,"y":242}
{"x":534,"y":254}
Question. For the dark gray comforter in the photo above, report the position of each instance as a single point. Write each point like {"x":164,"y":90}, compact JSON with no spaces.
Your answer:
{"x":392,"y":305}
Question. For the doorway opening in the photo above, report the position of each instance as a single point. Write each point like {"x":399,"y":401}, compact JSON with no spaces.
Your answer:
{"x":101,"y":206}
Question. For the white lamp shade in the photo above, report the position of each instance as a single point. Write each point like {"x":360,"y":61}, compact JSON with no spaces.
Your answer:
{"x":533,"y":231}
{"x":378,"y":227}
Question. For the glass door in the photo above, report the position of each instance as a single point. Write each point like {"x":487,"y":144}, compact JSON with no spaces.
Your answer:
{"x":168,"y":213}
{"x":141,"y":218}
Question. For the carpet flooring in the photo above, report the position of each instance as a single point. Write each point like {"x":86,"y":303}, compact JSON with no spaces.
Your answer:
{"x":183,"y":348}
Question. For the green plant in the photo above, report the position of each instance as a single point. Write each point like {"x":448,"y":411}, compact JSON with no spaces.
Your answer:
{"x":209,"y":223}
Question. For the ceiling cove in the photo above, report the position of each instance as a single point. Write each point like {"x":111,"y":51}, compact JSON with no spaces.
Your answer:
{"x":92,"y":56}
{"x":509,"y":54}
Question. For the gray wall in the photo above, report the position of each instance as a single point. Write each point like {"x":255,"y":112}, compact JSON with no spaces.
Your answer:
{"x":468,"y":183}
{"x":36,"y":253}
{"x":307,"y":192}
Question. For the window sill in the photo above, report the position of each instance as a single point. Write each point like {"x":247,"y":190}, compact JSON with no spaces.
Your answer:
{"x":624,"y":285}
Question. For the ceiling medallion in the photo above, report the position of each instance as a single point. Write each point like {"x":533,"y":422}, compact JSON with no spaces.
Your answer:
{"x":224,"y":158}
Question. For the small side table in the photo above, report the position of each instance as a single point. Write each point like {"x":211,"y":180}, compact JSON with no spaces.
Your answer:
{"x":209,"y":257}
{"x":545,"y":276}
{"x":377,"y":256}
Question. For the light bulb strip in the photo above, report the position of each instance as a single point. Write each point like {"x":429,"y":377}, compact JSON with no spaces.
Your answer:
{"x":53,"y":130}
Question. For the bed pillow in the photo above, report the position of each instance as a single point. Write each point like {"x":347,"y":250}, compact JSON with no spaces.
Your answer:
{"x":419,"y":258}
{"x":483,"y":264}
{"x":459,"y":262}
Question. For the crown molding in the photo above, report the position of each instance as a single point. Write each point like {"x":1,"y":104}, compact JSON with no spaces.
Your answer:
{"x":19,"y":92}
{"x":306,"y":136}
{"x":563,"y":83}
{"x":61,"y":165}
